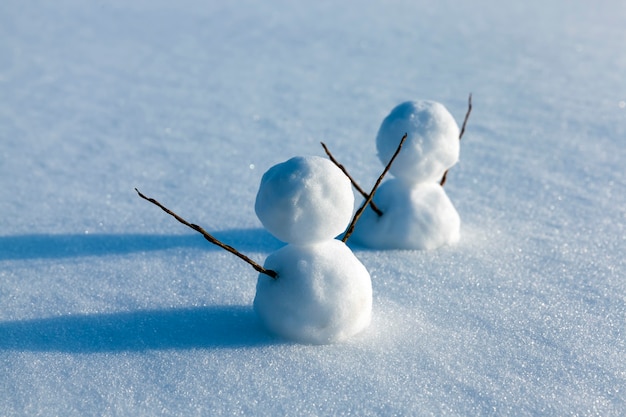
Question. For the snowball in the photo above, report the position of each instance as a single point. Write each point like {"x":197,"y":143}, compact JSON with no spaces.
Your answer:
{"x":323,"y":294}
{"x":431,"y":146}
{"x":305,"y":200}
{"x":414,"y":217}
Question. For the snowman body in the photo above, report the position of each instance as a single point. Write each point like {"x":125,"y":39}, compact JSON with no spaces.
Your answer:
{"x":417,"y":213}
{"x":323,"y":294}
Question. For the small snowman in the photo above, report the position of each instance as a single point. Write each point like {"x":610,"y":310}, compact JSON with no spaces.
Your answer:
{"x":322,"y":293}
{"x":417,"y":213}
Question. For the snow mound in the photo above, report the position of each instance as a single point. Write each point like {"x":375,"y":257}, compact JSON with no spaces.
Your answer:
{"x":323,"y":294}
{"x":304,"y":200}
{"x":431,"y":146}
{"x":414,"y":217}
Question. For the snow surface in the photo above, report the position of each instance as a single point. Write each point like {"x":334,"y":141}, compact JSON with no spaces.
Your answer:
{"x":110,"y":307}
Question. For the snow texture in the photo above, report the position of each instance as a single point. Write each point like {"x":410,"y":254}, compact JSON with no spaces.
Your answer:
{"x":417,"y":213}
{"x":431,"y":146}
{"x":323,"y":294}
{"x":110,"y":307}
{"x":304,"y":200}
{"x":417,"y":216}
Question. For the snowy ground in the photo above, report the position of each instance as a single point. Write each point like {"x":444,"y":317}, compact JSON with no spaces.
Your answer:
{"x":110,"y":307}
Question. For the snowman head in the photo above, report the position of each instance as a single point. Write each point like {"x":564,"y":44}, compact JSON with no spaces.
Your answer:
{"x":304,"y":200}
{"x":431,"y":146}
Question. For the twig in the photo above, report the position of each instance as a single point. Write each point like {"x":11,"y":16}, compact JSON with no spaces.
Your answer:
{"x":469,"y":110}
{"x":369,"y":198}
{"x":354,"y":183}
{"x":210,"y":238}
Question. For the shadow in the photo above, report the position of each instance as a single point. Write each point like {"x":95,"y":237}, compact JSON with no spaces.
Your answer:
{"x":37,"y":246}
{"x":190,"y":328}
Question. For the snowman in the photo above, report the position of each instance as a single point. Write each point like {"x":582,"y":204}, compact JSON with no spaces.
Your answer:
{"x":322,"y":293}
{"x":417,"y":213}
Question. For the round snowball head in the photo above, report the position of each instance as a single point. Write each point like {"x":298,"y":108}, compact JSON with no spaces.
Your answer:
{"x":323,"y":294}
{"x":431,"y":146}
{"x":304,"y":200}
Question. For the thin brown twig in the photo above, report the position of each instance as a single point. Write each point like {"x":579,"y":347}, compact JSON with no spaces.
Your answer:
{"x":211,"y":238}
{"x":354,"y":183}
{"x":469,"y":110}
{"x":369,"y":198}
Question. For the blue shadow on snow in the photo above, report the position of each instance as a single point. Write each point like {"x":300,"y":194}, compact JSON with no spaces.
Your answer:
{"x":187,"y":328}
{"x":37,"y":246}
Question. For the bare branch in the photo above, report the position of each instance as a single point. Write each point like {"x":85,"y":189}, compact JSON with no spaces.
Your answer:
{"x":354,"y":183}
{"x":469,"y":110}
{"x":444,"y":178}
{"x":369,"y":198}
{"x":211,"y":238}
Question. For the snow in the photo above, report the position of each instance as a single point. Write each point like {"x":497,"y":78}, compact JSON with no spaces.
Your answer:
{"x":323,"y":294}
{"x":415,"y":216}
{"x":110,"y":307}
{"x":304,"y":200}
{"x":431,"y":146}
{"x":414,"y":211}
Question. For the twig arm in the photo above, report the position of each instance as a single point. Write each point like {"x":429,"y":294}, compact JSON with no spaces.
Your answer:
{"x":210,"y":238}
{"x":469,"y":110}
{"x":369,"y":198}
{"x":467,"y":115}
{"x":352,"y":180}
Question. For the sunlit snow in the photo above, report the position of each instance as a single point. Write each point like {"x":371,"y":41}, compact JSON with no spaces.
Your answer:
{"x":108,"y":306}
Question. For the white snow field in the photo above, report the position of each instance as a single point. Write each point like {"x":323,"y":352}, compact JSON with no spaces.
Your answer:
{"x":110,"y":307}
